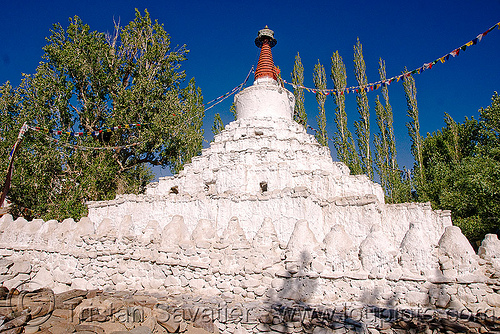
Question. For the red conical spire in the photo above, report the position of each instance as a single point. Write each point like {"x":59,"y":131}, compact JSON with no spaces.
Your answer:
{"x":265,"y":67}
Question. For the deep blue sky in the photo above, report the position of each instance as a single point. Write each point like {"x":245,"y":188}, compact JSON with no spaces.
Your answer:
{"x":220,"y":35}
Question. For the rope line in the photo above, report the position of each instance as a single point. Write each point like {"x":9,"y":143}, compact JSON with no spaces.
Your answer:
{"x":47,"y":132}
{"x":234,"y":90}
{"x":80,"y":147}
{"x":382,"y":83}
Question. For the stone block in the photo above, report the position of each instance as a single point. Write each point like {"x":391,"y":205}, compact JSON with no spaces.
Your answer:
{"x":175,"y":233}
{"x":260,"y":291}
{"x":493,"y":299}
{"x":5,"y":264}
{"x":197,"y":283}
{"x":16,"y":281}
{"x":417,"y":298}
{"x":250,"y":283}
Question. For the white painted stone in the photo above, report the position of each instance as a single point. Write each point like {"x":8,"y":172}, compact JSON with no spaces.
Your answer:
{"x":266,"y":99}
{"x":377,"y":254}
{"x":417,"y":251}
{"x":47,"y":232}
{"x":151,"y":233}
{"x":266,"y":237}
{"x":455,"y":247}
{"x":174,"y":233}
{"x":5,"y":222}
{"x":341,"y":251}
{"x":44,"y":278}
{"x":205,"y":230}
{"x":302,"y":246}
{"x":197,"y":284}
{"x":61,"y":276}
{"x":107,"y":229}
{"x":31,"y":230}
{"x":263,"y":179}
{"x":490,"y":250}
{"x":234,"y":235}
{"x":172,"y":281}
{"x":84,"y":227}
{"x":20,"y":267}
{"x":126,"y":229}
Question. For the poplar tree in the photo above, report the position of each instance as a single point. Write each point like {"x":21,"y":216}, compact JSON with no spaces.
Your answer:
{"x":342,"y":138}
{"x":218,"y":124}
{"x":380,"y":142}
{"x":385,"y":142}
{"x":319,"y":78}
{"x":299,"y":114}
{"x":363,"y":125}
{"x":414,"y":126}
{"x":232,"y":109}
{"x":453,"y":144}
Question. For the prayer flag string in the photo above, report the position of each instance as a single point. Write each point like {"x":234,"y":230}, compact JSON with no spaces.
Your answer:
{"x":80,"y":147}
{"x":48,"y":132}
{"x":231,"y":92}
{"x":214,"y":102}
{"x":383,"y":83}
{"x":92,"y":133}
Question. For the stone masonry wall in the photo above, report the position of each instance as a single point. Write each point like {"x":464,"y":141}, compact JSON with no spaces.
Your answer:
{"x":113,"y":256}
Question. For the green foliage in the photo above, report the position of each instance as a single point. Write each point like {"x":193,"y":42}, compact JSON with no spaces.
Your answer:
{"x":88,"y":81}
{"x":414,"y":126}
{"x":232,"y":109}
{"x":462,"y":171}
{"x":385,"y":145}
{"x":319,"y":78}
{"x":363,"y":125}
{"x":218,"y":124}
{"x":299,"y":114}
{"x":342,"y":138}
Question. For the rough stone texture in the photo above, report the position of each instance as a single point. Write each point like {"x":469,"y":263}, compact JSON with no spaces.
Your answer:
{"x":490,"y":250}
{"x":378,"y":255}
{"x":341,"y":252}
{"x":235,"y":267}
{"x":418,"y":252}
{"x":455,"y":248}
{"x":95,"y":311}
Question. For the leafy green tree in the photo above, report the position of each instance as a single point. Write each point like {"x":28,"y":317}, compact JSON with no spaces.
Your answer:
{"x":218,"y":124}
{"x":342,"y":138}
{"x":299,"y":114}
{"x":232,"y":109}
{"x":414,"y":125}
{"x":89,"y":81}
{"x":319,"y":78}
{"x":381,"y":144}
{"x":363,"y":125}
{"x":385,"y":146}
{"x":462,"y":171}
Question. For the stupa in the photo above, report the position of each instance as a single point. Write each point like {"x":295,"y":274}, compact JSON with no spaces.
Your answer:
{"x":264,"y":164}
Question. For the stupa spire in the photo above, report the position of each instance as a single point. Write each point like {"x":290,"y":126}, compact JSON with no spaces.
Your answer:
{"x":265,"y":67}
